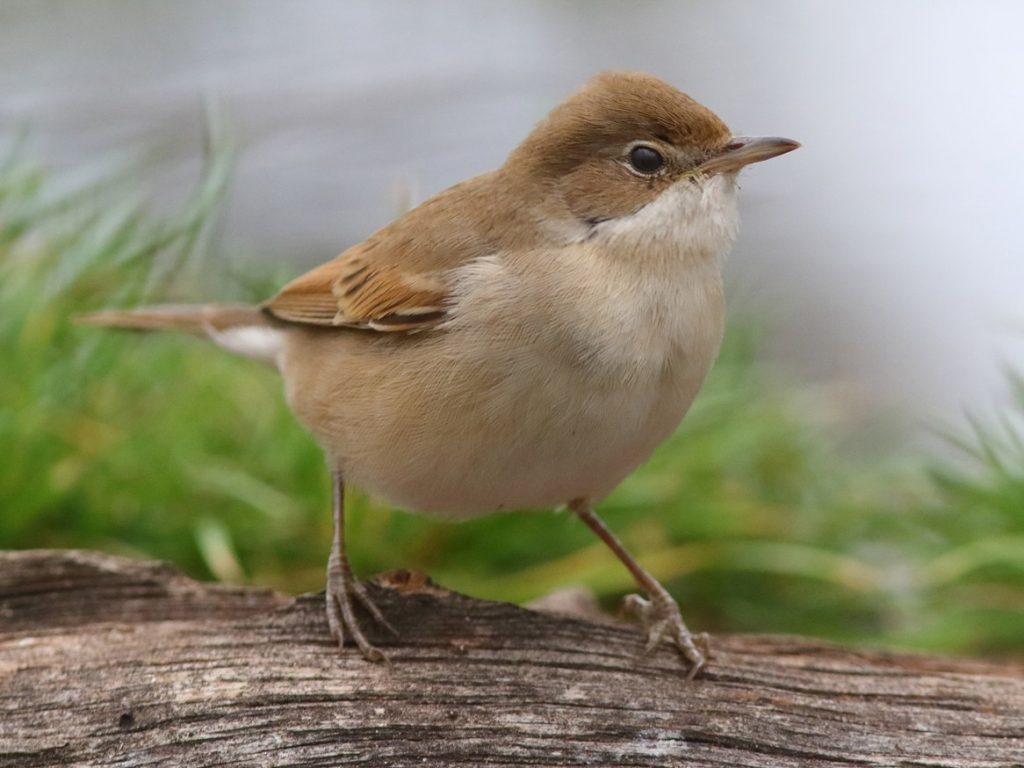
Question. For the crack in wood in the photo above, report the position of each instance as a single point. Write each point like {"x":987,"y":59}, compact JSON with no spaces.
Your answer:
{"x":106,"y":661}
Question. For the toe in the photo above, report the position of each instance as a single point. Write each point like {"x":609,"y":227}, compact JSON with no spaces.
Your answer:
{"x":340,"y":616}
{"x":638,"y":607}
{"x":335,"y":620}
{"x":663,"y":623}
{"x":364,"y":600}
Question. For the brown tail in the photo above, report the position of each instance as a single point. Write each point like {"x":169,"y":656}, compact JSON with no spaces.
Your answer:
{"x":241,"y":328}
{"x":194,"y":318}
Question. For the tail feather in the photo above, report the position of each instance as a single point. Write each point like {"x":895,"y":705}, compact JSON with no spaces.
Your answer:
{"x":241,"y":328}
{"x":191,"y":318}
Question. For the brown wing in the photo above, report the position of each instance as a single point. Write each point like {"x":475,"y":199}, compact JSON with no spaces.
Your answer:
{"x":357,"y":290}
{"x":398,"y":279}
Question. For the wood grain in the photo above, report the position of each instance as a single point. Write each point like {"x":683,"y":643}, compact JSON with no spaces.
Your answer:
{"x":111,"y":662}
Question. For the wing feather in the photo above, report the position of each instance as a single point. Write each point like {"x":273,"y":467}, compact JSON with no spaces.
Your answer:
{"x":399,"y":279}
{"x":353,"y":292}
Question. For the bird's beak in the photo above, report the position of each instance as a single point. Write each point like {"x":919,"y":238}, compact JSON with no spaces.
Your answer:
{"x":744,"y":150}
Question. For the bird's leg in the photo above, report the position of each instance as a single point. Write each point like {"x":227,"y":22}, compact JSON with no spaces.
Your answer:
{"x":658,"y":612}
{"x":342,"y":585}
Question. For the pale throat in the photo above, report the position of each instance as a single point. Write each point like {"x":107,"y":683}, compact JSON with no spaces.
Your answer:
{"x":693,"y":221}
{"x":665,"y":262}
{"x":643,"y":290}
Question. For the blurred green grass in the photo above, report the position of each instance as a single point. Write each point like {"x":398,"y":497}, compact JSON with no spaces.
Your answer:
{"x":163,"y":446}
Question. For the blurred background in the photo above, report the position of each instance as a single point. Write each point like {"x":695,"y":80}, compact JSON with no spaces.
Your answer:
{"x":854,"y":467}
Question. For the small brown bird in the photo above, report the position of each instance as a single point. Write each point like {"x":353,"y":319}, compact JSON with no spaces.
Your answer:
{"x":522,"y":340}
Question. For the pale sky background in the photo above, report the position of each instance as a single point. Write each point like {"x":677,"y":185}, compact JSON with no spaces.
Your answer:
{"x":888,"y":251}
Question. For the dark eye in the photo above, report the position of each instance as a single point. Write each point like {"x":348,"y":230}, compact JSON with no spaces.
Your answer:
{"x":645,"y":160}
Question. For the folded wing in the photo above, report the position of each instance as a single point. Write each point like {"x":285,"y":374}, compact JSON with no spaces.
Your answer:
{"x":363,"y":289}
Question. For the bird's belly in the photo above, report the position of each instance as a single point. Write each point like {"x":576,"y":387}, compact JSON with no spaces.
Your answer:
{"x":538,"y":449}
{"x":466,"y":438}
{"x":507,"y":409}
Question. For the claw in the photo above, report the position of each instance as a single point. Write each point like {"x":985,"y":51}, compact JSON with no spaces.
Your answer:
{"x":662,"y":621}
{"x":658,"y":612}
{"x":359,"y":591}
{"x":341,"y":587}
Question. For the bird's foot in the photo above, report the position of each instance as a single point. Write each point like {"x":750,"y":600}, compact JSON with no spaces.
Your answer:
{"x":662,"y":621}
{"x":341,"y":588}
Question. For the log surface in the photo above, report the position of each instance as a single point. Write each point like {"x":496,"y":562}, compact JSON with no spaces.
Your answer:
{"x":111,"y":662}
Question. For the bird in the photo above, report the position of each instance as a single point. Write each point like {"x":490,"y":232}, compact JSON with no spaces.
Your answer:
{"x":521,"y":340}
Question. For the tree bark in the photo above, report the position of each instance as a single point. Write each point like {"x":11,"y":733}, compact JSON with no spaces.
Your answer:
{"x":106,"y":661}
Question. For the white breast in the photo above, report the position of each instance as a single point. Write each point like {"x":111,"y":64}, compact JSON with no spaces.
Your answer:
{"x":601,"y":345}
{"x":558,"y":373}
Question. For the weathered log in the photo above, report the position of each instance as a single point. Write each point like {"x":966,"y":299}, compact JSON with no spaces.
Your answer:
{"x":106,"y":661}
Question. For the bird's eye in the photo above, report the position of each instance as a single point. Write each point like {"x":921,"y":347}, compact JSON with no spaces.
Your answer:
{"x":645,"y":160}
